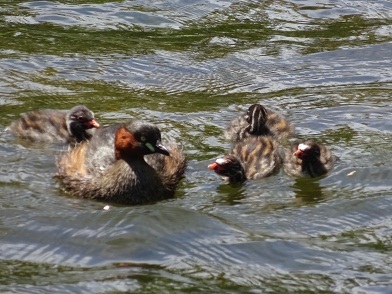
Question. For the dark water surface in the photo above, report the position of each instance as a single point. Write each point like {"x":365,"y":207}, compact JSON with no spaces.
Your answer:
{"x":191,"y":67}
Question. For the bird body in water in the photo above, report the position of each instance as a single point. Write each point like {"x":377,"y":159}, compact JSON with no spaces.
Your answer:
{"x":308,"y":159}
{"x":55,"y":126}
{"x":112,"y":166}
{"x":258,"y":121}
{"x":252,"y":158}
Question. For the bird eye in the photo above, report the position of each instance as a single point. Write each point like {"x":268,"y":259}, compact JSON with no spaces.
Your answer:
{"x":142,"y":138}
{"x":80,"y":118}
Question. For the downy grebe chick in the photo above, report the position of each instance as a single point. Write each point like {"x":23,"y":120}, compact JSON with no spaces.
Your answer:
{"x":258,"y":121}
{"x":55,"y":126}
{"x":251,"y":158}
{"x":308,"y":159}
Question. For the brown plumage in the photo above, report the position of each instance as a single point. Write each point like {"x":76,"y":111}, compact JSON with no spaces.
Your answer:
{"x":308,"y":159}
{"x":112,"y":167}
{"x":55,"y":126}
{"x":258,"y":121}
{"x":254,"y":157}
{"x":170,"y":169}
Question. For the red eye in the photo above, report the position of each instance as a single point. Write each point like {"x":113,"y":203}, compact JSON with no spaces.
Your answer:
{"x":80,"y":118}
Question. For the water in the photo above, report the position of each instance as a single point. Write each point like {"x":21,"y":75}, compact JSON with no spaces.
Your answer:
{"x":190,"y":67}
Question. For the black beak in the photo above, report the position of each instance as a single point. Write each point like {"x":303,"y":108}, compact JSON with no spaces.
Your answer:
{"x":159,"y":148}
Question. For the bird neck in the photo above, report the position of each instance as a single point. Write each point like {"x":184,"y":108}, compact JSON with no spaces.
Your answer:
{"x":126,"y":146}
{"x":76,"y":130}
{"x":313,"y":167}
{"x":237,"y":174}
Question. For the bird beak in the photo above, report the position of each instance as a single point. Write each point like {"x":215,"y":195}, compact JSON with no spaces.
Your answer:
{"x":213,"y":166}
{"x":159,"y":148}
{"x":92,"y":124}
{"x":298,"y":153}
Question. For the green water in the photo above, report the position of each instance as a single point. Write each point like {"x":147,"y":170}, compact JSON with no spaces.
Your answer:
{"x":191,"y":67}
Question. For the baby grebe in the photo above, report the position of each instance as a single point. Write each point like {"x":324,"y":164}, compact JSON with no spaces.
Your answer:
{"x":258,"y":121}
{"x":308,"y":159}
{"x":251,"y":158}
{"x":55,"y":126}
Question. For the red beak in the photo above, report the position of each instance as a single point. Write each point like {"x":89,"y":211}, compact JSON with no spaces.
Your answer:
{"x":91,"y":124}
{"x":299,"y":153}
{"x":213,"y":166}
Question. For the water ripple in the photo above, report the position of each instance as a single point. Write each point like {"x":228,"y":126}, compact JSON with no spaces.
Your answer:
{"x":191,"y":67}
{"x":117,"y":15}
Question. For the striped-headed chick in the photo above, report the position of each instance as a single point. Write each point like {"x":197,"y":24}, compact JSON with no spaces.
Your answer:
{"x":258,"y":121}
{"x":252,"y":158}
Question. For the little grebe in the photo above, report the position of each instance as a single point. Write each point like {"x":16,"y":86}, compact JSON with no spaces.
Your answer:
{"x":258,"y":121}
{"x":251,"y":158}
{"x":308,"y":159}
{"x":55,"y":126}
{"x":112,"y":167}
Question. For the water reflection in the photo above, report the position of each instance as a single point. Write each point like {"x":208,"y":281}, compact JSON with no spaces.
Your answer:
{"x":308,"y":190}
{"x":231,"y":194}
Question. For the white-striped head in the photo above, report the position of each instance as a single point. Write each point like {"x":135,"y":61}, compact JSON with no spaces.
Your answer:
{"x":256,"y":117}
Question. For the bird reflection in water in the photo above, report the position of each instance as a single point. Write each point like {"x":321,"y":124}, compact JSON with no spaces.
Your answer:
{"x":308,"y":190}
{"x":231,"y":194}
